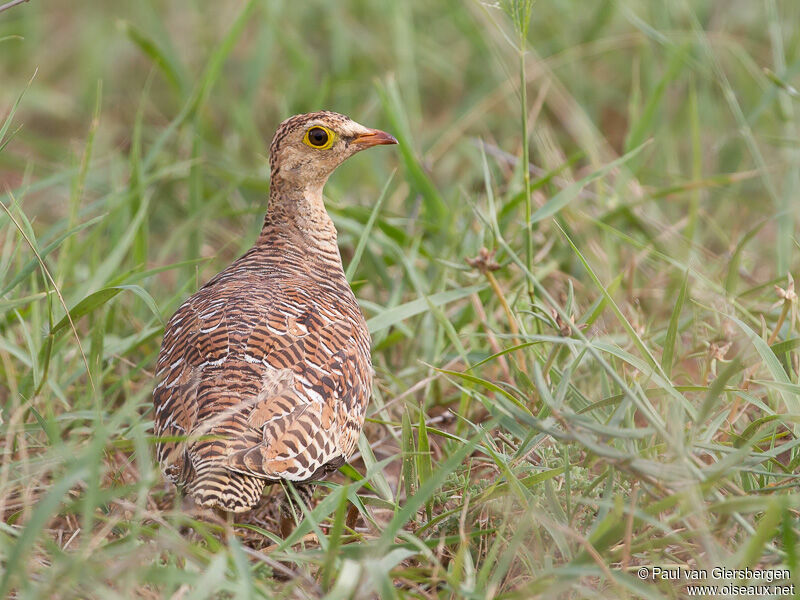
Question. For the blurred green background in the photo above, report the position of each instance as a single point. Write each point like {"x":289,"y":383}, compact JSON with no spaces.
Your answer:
{"x":543,"y":423}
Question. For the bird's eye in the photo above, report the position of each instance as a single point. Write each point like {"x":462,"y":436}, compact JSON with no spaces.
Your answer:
{"x":319,"y":137}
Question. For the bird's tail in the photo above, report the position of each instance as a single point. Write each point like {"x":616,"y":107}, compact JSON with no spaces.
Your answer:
{"x":213,"y":485}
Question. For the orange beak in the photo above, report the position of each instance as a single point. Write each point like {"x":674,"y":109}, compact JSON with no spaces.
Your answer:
{"x":375,"y":137}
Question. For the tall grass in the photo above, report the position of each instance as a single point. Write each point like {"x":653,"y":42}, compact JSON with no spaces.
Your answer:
{"x":609,"y":382}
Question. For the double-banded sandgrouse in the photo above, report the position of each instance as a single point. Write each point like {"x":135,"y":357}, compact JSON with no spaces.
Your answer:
{"x":265,"y":372}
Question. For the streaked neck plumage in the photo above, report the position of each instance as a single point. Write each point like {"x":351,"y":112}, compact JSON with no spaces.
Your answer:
{"x":300,"y":208}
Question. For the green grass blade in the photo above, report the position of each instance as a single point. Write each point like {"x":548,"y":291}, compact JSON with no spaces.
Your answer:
{"x":397,"y":314}
{"x":791,"y":401}
{"x":167,"y":63}
{"x":42,"y":512}
{"x":569,"y":193}
{"x":364,"y":238}
{"x":10,"y":116}
{"x":425,"y":491}
{"x":668,"y":354}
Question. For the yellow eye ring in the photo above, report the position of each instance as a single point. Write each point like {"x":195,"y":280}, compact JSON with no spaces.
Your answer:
{"x":319,"y":137}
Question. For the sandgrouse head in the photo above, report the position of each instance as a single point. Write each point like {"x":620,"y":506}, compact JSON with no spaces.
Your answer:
{"x":307,"y":148}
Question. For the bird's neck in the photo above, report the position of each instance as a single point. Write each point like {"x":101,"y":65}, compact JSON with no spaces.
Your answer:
{"x":300,"y":208}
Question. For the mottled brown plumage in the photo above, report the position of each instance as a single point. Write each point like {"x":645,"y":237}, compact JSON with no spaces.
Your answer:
{"x":265,"y":373}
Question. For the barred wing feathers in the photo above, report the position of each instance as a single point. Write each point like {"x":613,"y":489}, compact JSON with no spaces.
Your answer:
{"x":264,"y":375}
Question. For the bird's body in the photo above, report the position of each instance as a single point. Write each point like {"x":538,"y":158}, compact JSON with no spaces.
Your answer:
{"x":265,"y":372}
